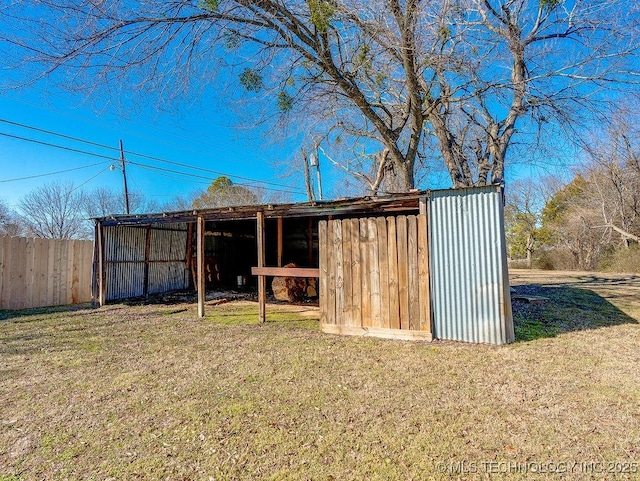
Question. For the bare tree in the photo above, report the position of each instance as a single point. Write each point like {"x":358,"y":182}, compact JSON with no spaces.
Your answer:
{"x":101,"y":202}
{"x":375,"y":76}
{"x":9,"y":221}
{"x":523,"y":207}
{"x":613,"y":172}
{"x":55,"y":211}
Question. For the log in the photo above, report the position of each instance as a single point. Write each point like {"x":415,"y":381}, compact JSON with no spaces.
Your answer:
{"x":293,"y":289}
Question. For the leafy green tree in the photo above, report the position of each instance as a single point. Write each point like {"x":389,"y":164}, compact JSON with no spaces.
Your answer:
{"x":223,"y":192}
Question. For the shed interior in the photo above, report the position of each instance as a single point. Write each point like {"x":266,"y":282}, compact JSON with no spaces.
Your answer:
{"x":230,"y":249}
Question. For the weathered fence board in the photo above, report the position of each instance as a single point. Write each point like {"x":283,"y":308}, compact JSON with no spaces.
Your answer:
{"x":378,"y":276}
{"x":38,"y":272}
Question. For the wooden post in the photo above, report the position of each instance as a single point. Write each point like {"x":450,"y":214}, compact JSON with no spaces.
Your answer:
{"x":280,"y":242}
{"x":101,"y":273}
{"x":200,"y":261}
{"x":310,"y":242}
{"x":147,"y":255}
{"x":262,"y":280}
{"x":94,"y":269}
{"x":426,"y":318}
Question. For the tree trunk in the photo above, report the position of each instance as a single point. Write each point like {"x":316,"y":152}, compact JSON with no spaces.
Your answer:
{"x":405,"y":176}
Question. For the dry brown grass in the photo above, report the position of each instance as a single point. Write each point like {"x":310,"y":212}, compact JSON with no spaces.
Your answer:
{"x":151,"y":392}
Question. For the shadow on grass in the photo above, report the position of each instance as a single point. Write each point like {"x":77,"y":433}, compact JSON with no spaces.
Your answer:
{"x":6,"y":314}
{"x":568,"y":309}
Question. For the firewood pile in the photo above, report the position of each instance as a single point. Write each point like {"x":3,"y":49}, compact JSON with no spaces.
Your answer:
{"x":294,"y":289}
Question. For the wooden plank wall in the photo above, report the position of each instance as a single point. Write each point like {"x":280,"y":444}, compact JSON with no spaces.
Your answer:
{"x":375,"y":274}
{"x":38,"y":272}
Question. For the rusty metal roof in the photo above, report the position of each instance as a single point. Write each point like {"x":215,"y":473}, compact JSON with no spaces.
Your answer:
{"x":351,"y":206}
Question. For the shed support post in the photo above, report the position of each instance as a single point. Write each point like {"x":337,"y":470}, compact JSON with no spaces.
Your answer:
{"x":200,"y":260}
{"x":262,"y":280}
{"x":280,"y":242}
{"x":101,"y":276}
{"x":94,"y":269}
{"x":424,"y":269}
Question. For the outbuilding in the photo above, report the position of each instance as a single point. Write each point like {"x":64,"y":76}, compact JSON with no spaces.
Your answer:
{"x":422,"y":265}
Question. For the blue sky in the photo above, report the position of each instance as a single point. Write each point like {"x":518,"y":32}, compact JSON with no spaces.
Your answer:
{"x":188,"y":134}
{"x":198,"y":129}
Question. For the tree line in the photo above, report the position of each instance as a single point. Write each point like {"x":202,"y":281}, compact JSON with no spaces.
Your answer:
{"x":591,"y":222}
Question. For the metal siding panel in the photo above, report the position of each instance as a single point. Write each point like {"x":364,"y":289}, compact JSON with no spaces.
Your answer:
{"x":125,"y":259}
{"x":167,"y":258}
{"x":167,"y":276}
{"x":468,"y":259}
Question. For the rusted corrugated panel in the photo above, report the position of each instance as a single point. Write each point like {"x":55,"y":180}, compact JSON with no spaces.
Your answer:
{"x":124,"y":257}
{"x":124,"y":280}
{"x":167,"y":256}
{"x":168,"y":245}
{"x":124,"y":251}
{"x":469,"y":278}
{"x":167,"y":276}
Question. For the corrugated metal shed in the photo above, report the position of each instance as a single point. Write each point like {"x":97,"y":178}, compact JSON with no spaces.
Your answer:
{"x":469,"y":278}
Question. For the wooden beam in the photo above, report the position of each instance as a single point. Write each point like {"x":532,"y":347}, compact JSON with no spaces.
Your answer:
{"x":400,"y":334}
{"x":262,"y":280}
{"x":280,"y":242}
{"x":200,"y":261}
{"x":423,"y":205}
{"x":426,"y":321}
{"x":286,"y":271}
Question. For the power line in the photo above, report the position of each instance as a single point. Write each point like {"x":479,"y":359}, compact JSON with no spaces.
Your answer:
{"x":90,"y":179}
{"x":147,"y":166}
{"x":201,"y":139}
{"x":62,"y":147}
{"x":51,"y":173}
{"x":150,"y":157}
{"x":57,"y":134}
{"x":202,"y":169}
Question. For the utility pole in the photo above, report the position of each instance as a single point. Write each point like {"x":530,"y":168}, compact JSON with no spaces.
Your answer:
{"x":124,"y":178}
{"x":307,"y":177}
{"x":315,"y":162}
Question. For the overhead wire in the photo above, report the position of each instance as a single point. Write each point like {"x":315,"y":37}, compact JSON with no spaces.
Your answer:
{"x":90,"y":179}
{"x":50,"y":173}
{"x":62,"y":147}
{"x":135,"y":154}
{"x":147,"y":166}
{"x":201,"y":139}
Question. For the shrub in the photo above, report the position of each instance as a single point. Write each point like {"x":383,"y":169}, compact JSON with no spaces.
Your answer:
{"x":623,"y":260}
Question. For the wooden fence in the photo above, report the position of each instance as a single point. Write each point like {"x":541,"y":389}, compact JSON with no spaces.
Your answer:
{"x":38,"y":272}
{"x":376,"y":273}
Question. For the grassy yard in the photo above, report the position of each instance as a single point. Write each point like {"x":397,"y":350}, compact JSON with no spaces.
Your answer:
{"x":153,"y":392}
